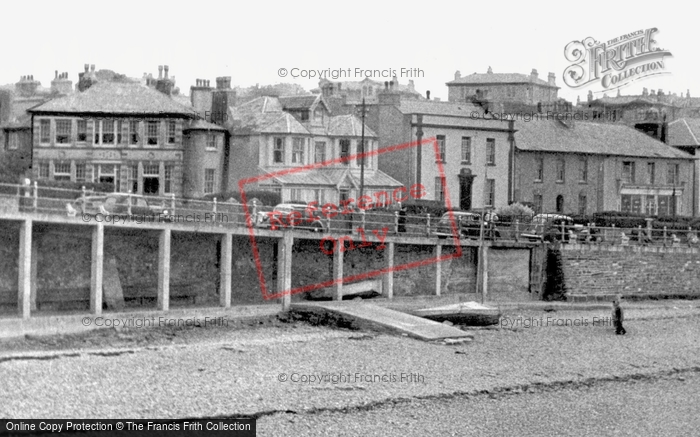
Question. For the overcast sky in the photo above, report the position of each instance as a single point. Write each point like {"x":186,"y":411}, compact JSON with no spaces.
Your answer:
{"x":251,"y":41}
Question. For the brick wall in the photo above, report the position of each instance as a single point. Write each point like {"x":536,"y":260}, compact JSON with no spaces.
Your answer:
{"x":600,"y":271}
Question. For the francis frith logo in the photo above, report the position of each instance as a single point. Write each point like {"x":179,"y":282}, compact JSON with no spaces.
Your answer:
{"x":616,"y":62}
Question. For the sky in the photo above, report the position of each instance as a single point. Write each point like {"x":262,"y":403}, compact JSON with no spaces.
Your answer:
{"x":252,"y":41}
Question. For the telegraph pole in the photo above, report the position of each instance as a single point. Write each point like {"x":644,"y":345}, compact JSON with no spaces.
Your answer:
{"x":362,"y":153}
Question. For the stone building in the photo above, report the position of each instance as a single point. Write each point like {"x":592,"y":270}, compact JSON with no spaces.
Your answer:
{"x":584,"y":167}
{"x":475,"y":152}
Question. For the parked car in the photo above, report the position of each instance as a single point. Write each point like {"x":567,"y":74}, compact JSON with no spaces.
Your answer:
{"x":118,"y":204}
{"x":283,"y":216}
{"x":548,"y":227}
{"x":468,"y":223}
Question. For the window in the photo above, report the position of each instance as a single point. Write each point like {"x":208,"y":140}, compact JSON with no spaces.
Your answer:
{"x":168,"y":179}
{"x":539,"y":175}
{"x":107,"y":174}
{"x":582,"y":201}
{"x":278,"y":153}
{"x":211,"y":141}
{"x":152,"y":128}
{"x":120,"y":125}
{"x":298,"y":150}
{"x":80,"y":172}
{"x":344,"y":149}
{"x":209,"y":180}
{"x":628,"y":172}
{"x":320,"y":151}
{"x":133,"y":179}
{"x":560,"y":203}
{"x":583,"y":169}
{"x":45,"y":131}
{"x":151,"y":179}
{"x":63,"y":131}
{"x":490,"y":192}
{"x":439,"y":189}
{"x":134,"y":137}
{"x":673,"y":175}
{"x":82,"y":130}
{"x":466,"y":150}
{"x":61,"y":171}
{"x":651,"y":173}
{"x":441,"y":147}
{"x":44,"y":170}
{"x":305,"y":115}
{"x":171,"y":131}
{"x":107,"y":131}
{"x":561,"y":167}
{"x":12,"y":140}
{"x":631,"y":203}
{"x":490,"y":151}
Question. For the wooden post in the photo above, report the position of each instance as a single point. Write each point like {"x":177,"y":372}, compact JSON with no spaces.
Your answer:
{"x":438,"y":269}
{"x":225,"y":270}
{"x":388,"y":279}
{"x":479,"y":275}
{"x":284,"y":267}
{"x":485,"y":274}
{"x":338,"y":269}
{"x":96,"y":269}
{"x":34,"y":271}
{"x":25,"y":266}
{"x":164,"y":270}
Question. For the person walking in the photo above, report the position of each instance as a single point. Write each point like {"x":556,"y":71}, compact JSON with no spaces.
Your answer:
{"x":618,"y":316}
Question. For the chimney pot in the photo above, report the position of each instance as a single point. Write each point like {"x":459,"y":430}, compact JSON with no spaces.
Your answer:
{"x":166,"y":68}
{"x":458,"y":75}
{"x":87,"y":67}
{"x":56,"y":76}
{"x":386,"y":85}
{"x":160,"y":72}
{"x":92,"y":68}
{"x":489,"y":71}
{"x":427,"y":95}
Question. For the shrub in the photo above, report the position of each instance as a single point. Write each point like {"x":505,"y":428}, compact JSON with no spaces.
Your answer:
{"x":515,"y":211}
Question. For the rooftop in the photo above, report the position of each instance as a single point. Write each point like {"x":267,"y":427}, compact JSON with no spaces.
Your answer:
{"x":684,"y":132}
{"x":591,"y":138}
{"x":115,"y":98}
{"x":498,"y":78}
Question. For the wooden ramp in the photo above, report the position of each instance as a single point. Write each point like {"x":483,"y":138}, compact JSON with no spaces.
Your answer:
{"x":463,"y":313}
{"x":359,"y":313}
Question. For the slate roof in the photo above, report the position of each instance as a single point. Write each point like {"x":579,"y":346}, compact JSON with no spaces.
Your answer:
{"x":433,"y":107}
{"x":299,"y":101}
{"x":116,"y":98}
{"x":265,"y":115}
{"x":348,"y":126}
{"x":498,"y":78}
{"x":591,"y":138}
{"x":684,"y":132}
{"x":334,"y":176}
{"x":199,"y":124}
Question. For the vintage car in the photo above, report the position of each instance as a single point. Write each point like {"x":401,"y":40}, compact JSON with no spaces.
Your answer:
{"x":550,"y":227}
{"x":468,"y":223}
{"x":118,"y":204}
{"x":291,"y":215}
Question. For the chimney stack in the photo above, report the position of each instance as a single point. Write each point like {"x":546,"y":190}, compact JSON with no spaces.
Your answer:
{"x":533,"y":75}
{"x":489,"y":71}
{"x":551,"y":79}
{"x":160,"y":72}
{"x":87,"y":67}
{"x":223,"y":98}
{"x":427,"y":95}
{"x":27,"y":85}
{"x":61,"y":84}
{"x":458,"y":75}
{"x":92,"y":67}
